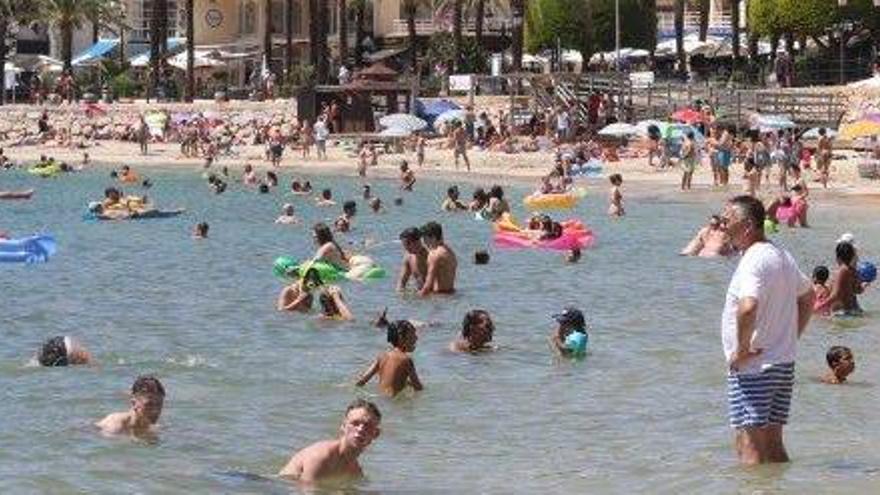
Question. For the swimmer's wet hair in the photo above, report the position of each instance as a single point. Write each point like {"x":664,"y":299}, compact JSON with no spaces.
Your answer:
{"x":821,"y":274}
{"x":364,"y":404}
{"x":349,"y":206}
{"x":470,"y":318}
{"x":616,"y":179}
{"x":845,"y":252}
{"x":326,"y":194}
{"x":410,"y":234}
{"x":836,"y":353}
{"x":147,"y":385}
{"x":53,"y":353}
{"x":396,"y":329}
{"x":433,"y":230}
{"x":751,"y":209}
{"x":481,"y":257}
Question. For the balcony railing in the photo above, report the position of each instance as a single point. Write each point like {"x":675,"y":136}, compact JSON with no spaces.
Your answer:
{"x":718,"y":21}
{"x":427,"y":27}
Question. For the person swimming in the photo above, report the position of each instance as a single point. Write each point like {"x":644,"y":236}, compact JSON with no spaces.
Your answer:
{"x":326,"y":198}
{"x":333,"y":306}
{"x":328,"y":249}
{"x":63,"y":351}
{"x":298,"y":295}
{"x":343,"y":223}
{"x":395,"y":368}
{"x":147,"y":400}
{"x":477,"y":331}
{"x":841,"y":363}
{"x":570,"y":337}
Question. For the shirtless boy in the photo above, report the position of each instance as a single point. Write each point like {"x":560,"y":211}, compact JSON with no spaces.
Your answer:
{"x":394,"y":367}
{"x":442,"y":263}
{"x":415,"y":259}
{"x":846,"y":285}
{"x":147,"y":398}
{"x":338,"y":459}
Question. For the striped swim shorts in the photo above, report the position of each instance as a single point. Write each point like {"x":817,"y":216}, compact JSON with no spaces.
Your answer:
{"x":762,"y":398}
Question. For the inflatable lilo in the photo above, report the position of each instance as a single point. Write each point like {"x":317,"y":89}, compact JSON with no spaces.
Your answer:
{"x":544,"y":234}
{"x":362,"y":268}
{"x":34,"y":249}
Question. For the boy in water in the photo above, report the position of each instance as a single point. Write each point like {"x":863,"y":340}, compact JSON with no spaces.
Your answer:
{"x":298,"y":295}
{"x":842,"y":363}
{"x":452,"y":203}
{"x":407,"y":177}
{"x":477,"y":331}
{"x":846,"y":285}
{"x":570,"y":338}
{"x":376,"y":205}
{"x":415,"y":258}
{"x":333,"y":305}
{"x":201,"y":230}
{"x":820,"y":289}
{"x":147,"y":399}
{"x":615,"y":209}
{"x":395,"y":367}
{"x":287,"y":216}
{"x":338,"y":459}
{"x":63,"y":351}
{"x":326,"y":198}
{"x":343,"y":223}
{"x":442,"y":263}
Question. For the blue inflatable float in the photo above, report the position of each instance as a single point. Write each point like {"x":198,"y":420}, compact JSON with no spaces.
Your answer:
{"x":34,"y":249}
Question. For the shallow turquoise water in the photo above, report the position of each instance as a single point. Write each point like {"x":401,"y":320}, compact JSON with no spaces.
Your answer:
{"x":645,"y":412}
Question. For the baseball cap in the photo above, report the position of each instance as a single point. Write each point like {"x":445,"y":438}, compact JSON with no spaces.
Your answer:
{"x":570,"y":316}
{"x":847,"y":237}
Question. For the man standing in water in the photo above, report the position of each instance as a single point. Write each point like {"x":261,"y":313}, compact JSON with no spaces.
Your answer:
{"x":768,"y":305}
{"x":442,"y":263}
{"x":415,"y":259}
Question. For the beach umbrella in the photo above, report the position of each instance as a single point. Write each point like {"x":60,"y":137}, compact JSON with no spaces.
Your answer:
{"x":395,"y":132}
{"x":860,"y":129}
{"x":814,"y":133}
{"x":449,"y":116}
{"x":619,"y":129}
{"x":769,"y":123}
{"x":687,"y":115}
{"x":643,"y":126}
{"x":403,"y":121}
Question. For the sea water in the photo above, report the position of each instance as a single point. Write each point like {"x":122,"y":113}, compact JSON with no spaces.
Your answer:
{"x":247,"y":386}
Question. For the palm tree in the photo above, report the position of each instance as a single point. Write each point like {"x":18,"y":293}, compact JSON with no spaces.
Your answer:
{"x":456,"y":35}
{"x":410,"y":8}
{"x":649,"y":7}
{"x":360,"y":18}
{"x":587,"y":38}
{"x":267,"y":34}
{"x":518,"y":9}
{"x":190,"y":51}
{"x":288,"y":49}
{"x":68,"y":15}
{"x":343,"y":30}
{"x":705,"y":7}
{"x":158,"y":41}
{"x":479,"y":17}
{"x":679,"y":36}
{"x":319,"y":23}
{"x":13,"y":12}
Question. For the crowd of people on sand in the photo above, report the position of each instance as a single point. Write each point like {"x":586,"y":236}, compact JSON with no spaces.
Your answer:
{"x":768,"y":305}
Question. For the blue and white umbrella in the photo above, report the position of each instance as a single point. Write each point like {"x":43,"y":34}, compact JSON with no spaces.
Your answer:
{"x":450,"y":116}
{"x":395,"y":132}
{"x":619,"y":129}
{"x":403,"y":121}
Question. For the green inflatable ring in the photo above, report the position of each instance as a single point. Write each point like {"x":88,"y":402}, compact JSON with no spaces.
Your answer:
{"x":288,"y":268}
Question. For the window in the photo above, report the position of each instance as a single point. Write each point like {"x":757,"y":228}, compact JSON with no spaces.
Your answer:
{"x":279,"y":17}
{"x":248,"y":18}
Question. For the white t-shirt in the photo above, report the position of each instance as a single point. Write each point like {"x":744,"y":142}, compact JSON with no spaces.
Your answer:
{"x":769,"y":274}
{"x":321,"y":132}
{"x":562,"y":121}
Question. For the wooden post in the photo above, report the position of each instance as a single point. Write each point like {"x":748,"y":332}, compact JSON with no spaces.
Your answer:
{"x":650,"y":107}
{"x":738,"y":109}
{"x":689,"y":95}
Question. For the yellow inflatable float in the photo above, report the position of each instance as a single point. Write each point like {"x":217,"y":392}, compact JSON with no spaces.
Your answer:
{"x":554,"y":201}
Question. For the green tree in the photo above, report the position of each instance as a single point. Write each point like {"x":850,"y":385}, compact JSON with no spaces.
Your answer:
{"x":13,"y":12}
{"x":68,"y":15}
{"x":577,"y":24}
{"x":410,"y":8}
{"x":360,"y":20}
{"x":189,"y":12}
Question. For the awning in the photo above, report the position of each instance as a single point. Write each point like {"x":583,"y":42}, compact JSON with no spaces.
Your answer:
{"x":95,"y":52}
{"x":201,"y":60}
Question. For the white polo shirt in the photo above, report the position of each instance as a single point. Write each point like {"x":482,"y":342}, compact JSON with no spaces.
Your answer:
{"x":769,"y":274}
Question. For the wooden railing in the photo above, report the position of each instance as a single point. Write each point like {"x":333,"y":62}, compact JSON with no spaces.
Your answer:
{"x":427,"y":27}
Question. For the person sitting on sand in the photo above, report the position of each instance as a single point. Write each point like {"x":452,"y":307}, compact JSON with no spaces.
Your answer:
{"x":147,"y":399}
{"x":452,"y":203}
{"x":287,"y":217}
{"x":333,"y":306}
{"x":63,"y":351}
{"x":477,"y":331}
{"x":328,"y":249}
{"x":442,"y":263}
{"x":343,"y":223}
{"x":712,"y":240}
{"x":415,"y":258}
{"x":394,"y":367}
{"x":298,"y":295}
{"x":337,"y":460}
{"x":842,"y":363}
{"x":326,"y":198}
{"x":570,"y":337}
{"x":407,"y":177}
{"x":846,"y":285}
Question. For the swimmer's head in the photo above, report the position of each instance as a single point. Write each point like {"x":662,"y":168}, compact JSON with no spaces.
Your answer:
{"x":202,"y":229}
{"x":573,"y":255}
{"x":53,"y":353}
{"x":404,"y":166}
{"x":477,"y":328}
{"x":398,"y":201}
{"x":452,"y":193}
{"x":112,"y":193}
{"x":126,"y":169}
{"x":797,"y":188}
{"x":322,"y":234}
{"x":432,"y":233}
{"x":841,"y":361}
{"x":295,"y":186}
{"x":402,"y":334}
{"x":264,"y":188}
{"x":845,"y":253}
{"x":312,"y":279}
{"x":616,"y":179}
{"x":375,"y":204}
{"x":367,"y":191}
{"x":361,"y":424}
{"x":147,"y":397}
{"x":821,"y":274}
{"x":287,"y":209}
{"x":328,"y":304}
{"x":248,"y":168}
{"x":572,"y":318}
{"x":326,"y":194}
{"x":349,"y":208}
{"x":822,"y":131}
{"x":411,"y":238}
{"x":480,"y":195}
{"x":481,"y":257}
{"x":496,"y":192}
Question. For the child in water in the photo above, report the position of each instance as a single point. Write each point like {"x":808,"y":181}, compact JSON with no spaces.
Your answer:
{"x":477,"y":331}
{"x":326,"y":198}
{"x":147,"y":399}
{"x":333,"y":305}
{"x":201,"y":230}
{"x":615,"y":209}
{"x":298,"y":295}
{"x":343,"y":223}
{"x":820,"y":289}
{"x":394,"y":367}
{"x":842,"y":363}
{"x":570,"y":338}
